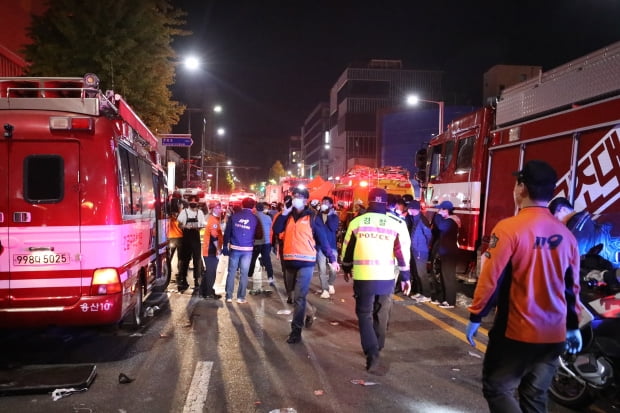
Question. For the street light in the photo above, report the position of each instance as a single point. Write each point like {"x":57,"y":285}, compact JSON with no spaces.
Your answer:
{"x":412,"y":100}
{"x":191,"y":62}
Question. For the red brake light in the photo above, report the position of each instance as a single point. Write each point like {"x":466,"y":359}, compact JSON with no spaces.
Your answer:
{"x":85,"y":124}
{"x":105,"y":281}
{"x":65,"y":123}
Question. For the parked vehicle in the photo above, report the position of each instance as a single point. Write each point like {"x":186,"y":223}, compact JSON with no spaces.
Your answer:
{"x":354,"y":185}
{"x":568,"y":117}
{"x":594,"y":373}
{"x":82,"y":205}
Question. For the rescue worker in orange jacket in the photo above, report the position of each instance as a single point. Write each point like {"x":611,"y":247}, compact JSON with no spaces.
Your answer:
{"x":302,"y":236}
{"x":531,"y":274}
{"x":371,"y":243}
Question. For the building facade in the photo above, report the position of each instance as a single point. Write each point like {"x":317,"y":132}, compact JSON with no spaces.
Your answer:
{"x":355,"y":99}
{"x":499,"y":77}
{"x":315,"y":142}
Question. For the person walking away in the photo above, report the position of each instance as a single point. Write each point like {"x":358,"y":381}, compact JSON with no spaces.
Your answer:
{"x":327,"y":217}
{"x":420,"y":231}
{"x":262,"y":246}
{"x":302,"y":237}
{"x":445,"y":233}
{"x":191,"y":220}
{"x":241,"y":230}
{"x":531,"y":274}
{"x":211,"y":250}
{"x":371,"y":243}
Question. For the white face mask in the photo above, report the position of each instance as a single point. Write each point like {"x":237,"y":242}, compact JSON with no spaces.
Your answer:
{"x":324,"y":207}
{"x":298,"y":203}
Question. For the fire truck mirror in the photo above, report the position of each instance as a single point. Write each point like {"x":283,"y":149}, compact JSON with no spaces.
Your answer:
{"x":420,"y":159}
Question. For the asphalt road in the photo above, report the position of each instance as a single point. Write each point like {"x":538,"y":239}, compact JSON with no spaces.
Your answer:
{"x":198,"y":355}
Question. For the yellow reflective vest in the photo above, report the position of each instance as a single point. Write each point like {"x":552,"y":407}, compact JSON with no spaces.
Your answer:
{"x":373,"y":241}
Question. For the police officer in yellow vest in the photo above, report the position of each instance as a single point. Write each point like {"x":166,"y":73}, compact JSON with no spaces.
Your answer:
{"x":371,"y":243}
{"x":302,"y":236}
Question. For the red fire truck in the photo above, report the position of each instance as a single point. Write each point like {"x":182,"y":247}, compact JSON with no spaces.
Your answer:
{"x":354,"y":185}
{"x":568,"y":117}
{"x":82,"y":206}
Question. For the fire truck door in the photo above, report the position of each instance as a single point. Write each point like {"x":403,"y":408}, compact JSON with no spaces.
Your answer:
{"x":43,"y":216}
{"x":4,"y":229}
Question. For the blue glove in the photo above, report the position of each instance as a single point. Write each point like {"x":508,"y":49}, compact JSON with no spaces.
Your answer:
{"x":573,"y":341}
{"x":225,"y":251}
{"x":470,"y":332}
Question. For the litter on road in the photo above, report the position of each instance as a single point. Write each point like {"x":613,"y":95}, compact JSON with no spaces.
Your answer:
{"x":364,"y":382}
{"x":62,"y":393}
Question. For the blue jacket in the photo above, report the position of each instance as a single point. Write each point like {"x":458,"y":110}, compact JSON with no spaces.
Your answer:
{"x":331,"y":224}
{"x":242,"y":229}
{"x":420,"y":233}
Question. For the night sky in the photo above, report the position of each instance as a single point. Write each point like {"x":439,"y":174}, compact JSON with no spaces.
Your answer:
{"x":271,"y":62}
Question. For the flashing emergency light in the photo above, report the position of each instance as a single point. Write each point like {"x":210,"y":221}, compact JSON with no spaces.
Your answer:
{"x":91,"y":80}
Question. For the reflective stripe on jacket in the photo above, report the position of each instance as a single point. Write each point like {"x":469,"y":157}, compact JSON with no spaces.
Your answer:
{"x":373,"y":240}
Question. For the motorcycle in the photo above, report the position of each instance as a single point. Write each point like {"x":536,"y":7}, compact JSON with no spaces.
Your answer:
{"x":594,"y":373}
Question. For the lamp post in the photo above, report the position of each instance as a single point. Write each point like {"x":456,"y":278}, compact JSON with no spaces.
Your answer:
{"x":217,"y":174}
{"x":202,"y":150}
{"x":413,"y":100}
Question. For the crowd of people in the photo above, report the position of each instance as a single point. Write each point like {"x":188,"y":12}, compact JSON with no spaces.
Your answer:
{"x":390,"y":246}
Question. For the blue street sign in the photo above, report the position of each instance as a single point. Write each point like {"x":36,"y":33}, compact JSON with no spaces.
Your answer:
{"x":177,"y":140}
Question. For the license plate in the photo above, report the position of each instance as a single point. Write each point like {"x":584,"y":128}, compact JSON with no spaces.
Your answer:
{"x":41,"y":258}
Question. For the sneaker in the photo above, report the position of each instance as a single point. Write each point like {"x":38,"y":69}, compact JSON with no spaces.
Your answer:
{"x":241,"y":301}
{"x":445,"y":305}
{"x":332,"y":290}
{"x":416,"y":296}
{"x":435,"y":302}
{"x":271,"y":283}
{"x":422,"y":299}
{"x":213,"y":296}
{"x":229,"y":300}
{"x":294,"y":337}
{"x":324,"y":294}
{"x":372,"y":362}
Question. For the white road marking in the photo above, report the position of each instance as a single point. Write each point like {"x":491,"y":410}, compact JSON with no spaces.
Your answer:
{"x":197,"y":395}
